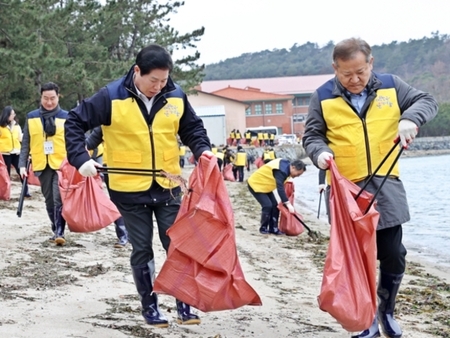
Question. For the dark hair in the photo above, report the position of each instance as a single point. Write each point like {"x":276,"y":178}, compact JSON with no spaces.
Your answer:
{"x":5,"y":116}
{"x":50,"y":86}
{"x":299,"y":165}
{"x":346,"y":49}
{"x":153,"y":57}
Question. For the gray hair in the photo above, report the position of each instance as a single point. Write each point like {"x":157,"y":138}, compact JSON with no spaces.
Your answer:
{"x":346,"y":49}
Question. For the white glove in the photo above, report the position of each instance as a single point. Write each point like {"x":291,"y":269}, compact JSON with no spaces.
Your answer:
{"x":323,"y":159}
{"x":322,"y":187}
{"x":89,"y":168}
{"x":290,"y":207}
{"x":23,"y":172}
{"x":407,"y":131}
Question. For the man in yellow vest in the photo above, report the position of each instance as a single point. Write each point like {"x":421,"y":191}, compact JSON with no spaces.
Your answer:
{"x":43,"y":139}
{"x":239,"y":163}
{"x":268,"y":155}
{"x":264,"y":181}
{"x":248,"y":137}
{"x":260,"y":139}
{"x":141,"y":115}
{"x":355,"y":117}
{"x":272,"y":139}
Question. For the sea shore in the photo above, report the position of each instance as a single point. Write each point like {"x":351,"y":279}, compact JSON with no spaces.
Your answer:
{"x":85,"y":289}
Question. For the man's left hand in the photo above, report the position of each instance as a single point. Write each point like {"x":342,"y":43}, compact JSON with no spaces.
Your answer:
{"x":407,"y":131}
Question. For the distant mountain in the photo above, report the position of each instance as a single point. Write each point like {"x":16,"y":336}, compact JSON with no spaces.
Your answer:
{"x":424,"y":63}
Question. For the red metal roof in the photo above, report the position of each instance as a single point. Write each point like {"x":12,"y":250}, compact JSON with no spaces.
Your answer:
{"x":250,"y":94}
{"x":279,"y":85}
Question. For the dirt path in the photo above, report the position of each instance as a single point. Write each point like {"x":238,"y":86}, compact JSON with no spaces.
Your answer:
{"x":85,"y":289}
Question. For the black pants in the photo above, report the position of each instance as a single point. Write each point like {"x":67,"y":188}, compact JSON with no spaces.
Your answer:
{"x":49,"y":187}
{"x":390,"y":250}
{"x":139,"y":223}
{"x":13,"y":160}
{"x":238,"y":169}
{"x":268,"y":202}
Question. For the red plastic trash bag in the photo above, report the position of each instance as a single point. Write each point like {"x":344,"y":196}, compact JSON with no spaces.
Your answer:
{"x":32,"y":178}
{"x":202,"y":267}
{"x":86,"y":207}
{"x":5,"y":181}
{"x":228,"y":173}
{"x":348,"y":291}
{"x":259,"y":162}
{"x":288,"y":223}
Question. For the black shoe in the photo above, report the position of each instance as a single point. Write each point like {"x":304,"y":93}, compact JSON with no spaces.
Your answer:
{"x":154,"y":317}
{"x":371,"y":332}
{"x":276,"y":231}
{"x":121,"y":243}
{"x":263,"y":230}
{"x":388,"y":286}
{"x":28,"y":195}
{"x":185,"y":317}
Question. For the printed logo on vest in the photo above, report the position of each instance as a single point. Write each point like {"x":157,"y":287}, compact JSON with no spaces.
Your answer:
{"x":171,"y":109}
{"x":381,"y":101}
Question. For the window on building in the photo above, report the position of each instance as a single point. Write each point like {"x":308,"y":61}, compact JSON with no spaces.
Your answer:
{"x":268,"y":108}
{"x":299,"y":117}
{"x":248,"y":111}
{"x":258,"y":109}
{"x":279,"y":108}
{"x":300,"y":101}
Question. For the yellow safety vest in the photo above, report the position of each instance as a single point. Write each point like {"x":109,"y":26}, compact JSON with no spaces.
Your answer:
{"x":37,"y":139}
{"x":129,"y":143}
{"x":352,"y":144}
{"x":9,"y":139}
{"x":241,"y":159}
{"x":262,"y":180}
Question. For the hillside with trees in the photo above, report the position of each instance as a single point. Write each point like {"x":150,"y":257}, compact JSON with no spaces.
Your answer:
{"x":424,"y":63}
{"x":82,"y":45}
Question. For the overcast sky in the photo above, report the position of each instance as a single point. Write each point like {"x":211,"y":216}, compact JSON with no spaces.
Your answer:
{"x":234,"y":27}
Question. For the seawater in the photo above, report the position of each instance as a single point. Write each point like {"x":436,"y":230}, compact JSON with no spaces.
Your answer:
{"x":426,"y":180}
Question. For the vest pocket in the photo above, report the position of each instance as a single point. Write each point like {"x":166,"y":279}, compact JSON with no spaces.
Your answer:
{"x":126,"y":157}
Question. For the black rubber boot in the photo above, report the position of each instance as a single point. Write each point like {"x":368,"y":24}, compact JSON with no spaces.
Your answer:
{"x":121,"y":232}
{"x":273,"y":224}
{"x":372,"y":332}
{"x":388,"y":286}
{"x":185,"y":317}
{"x":264,"y":225}
{"x":273,"y":227}
{"x":143,"y":279}
{"x":60,"y":226}
{"x":51,"y":216}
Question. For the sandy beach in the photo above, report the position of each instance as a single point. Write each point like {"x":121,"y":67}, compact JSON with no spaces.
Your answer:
{"x":85,"y":289}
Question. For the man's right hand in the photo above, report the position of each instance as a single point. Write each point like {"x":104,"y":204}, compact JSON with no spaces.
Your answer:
{"x":322,"y":187}
{"x":290,"y":207}
{"x":89,"y":168}
{"x":322,"y":160}
{"x":23,"y":172}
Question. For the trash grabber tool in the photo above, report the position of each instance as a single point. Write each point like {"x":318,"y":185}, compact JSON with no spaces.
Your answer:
{"x":22,"y":192}
{"x":320,"y":202}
